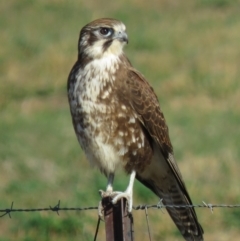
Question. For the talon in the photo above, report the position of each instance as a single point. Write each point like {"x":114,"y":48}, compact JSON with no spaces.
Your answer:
{"x":115,"y":196}
{"x":100,"y":211}
{"x":102,"y":193}
{"x":128,"y":196}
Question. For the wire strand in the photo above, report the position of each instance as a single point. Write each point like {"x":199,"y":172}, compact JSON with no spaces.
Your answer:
{"x":57,"y":208}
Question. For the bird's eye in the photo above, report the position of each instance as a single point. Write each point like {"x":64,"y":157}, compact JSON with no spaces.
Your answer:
{"x":105,"y":31}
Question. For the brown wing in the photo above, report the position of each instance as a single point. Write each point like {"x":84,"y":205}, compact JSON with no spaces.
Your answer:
{"x":144,"y":101}
{"x":146,"y":105}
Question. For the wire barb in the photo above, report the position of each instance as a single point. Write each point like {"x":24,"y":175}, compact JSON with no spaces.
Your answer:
{"x":56,"y":208}
{"x":7,"y":211}
{"x":209,"y":205}
{"x":160,"y":205}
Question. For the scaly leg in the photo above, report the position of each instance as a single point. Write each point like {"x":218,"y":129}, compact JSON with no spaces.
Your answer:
{"x":128,"y":194}
{"x":109,"y":188}
{"x":109,"y":192}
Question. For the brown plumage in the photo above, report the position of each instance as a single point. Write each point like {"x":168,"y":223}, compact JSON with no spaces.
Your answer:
{"x":118,"y":122}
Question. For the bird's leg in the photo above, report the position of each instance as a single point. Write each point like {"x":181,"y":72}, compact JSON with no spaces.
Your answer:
{"x":109,"y":192}
{"x":109,"y":189}
{"x":128,"y":194}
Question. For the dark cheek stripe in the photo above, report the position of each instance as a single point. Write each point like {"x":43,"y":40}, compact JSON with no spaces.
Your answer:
{"x":92,"y":39}
{"x":107,"y":44}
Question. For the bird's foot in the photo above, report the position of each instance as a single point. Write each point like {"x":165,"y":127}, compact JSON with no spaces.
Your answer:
{"x":103,"y":194}
{"x":128,"y":195}
{"x":115,"y":196}
{"x":100,"y":210}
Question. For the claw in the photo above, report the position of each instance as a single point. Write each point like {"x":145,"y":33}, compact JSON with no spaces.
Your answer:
{"x":100,"y":211}
{"x":115,"y":196}
{"x":128,"y":196}
{"x":102,"y":193}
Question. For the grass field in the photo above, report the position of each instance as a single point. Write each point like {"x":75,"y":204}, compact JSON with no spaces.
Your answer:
{"x":190,"y":53}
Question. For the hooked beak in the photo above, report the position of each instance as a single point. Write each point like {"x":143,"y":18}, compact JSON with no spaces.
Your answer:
{"x":122,"y":36}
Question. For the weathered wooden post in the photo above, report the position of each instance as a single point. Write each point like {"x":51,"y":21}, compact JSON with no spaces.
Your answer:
{"x":118,"y":222}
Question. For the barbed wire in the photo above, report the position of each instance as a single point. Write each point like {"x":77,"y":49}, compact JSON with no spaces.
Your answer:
{"x":159,"y":205}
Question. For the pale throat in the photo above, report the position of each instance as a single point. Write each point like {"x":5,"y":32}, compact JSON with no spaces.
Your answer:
{"x":93,"y":79}
{"x":116,"y":48}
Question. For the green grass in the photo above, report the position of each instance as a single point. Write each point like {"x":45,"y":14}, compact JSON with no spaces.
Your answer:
{"x":188,"y":51}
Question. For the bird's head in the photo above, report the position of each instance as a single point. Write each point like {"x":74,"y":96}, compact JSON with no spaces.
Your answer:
{"x":101,"y":38}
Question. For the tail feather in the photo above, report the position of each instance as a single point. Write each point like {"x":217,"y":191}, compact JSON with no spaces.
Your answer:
{"x":184,"y":217}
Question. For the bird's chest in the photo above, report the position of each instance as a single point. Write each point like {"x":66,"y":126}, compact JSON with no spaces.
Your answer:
{"x":93,"y":101}
{"x":107,"y":128}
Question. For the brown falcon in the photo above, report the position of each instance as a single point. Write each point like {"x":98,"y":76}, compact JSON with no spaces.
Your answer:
{"x":118,"y":122}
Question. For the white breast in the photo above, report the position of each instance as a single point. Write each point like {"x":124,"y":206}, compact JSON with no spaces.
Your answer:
{"x":94,"y":77}
{"x":97,"y":78}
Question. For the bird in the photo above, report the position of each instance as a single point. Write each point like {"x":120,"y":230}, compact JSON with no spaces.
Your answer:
{"x":118,"y":122}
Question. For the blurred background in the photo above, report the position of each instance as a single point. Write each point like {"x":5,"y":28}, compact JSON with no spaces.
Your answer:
{"x":190,"y":53}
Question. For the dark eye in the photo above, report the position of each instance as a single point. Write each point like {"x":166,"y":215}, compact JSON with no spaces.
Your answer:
{"x":106,"y":31}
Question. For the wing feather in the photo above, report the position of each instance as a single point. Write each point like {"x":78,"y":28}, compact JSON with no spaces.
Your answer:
{"x":145,"y":103}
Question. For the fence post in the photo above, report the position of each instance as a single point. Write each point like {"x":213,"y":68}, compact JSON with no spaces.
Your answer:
{"x":118,"y":222}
